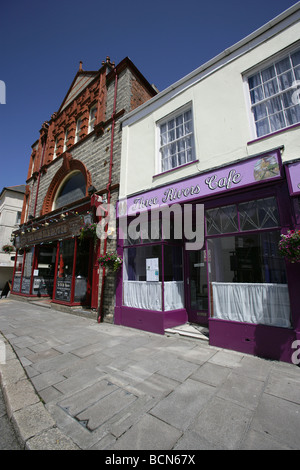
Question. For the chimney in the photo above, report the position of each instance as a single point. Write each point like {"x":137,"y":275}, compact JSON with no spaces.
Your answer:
{"x":80,"y":66}
{"x":108,"y":62}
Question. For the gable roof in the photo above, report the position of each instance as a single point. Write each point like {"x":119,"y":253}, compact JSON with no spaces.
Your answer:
{"x":18,"y":189}
{"x":81,"y":80}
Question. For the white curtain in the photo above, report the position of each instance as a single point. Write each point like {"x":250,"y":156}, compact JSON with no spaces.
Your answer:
{"x":148,"y":295}
{"x":142,"y":294}
{"x":174,"y":295}
{"x":266,"y":304}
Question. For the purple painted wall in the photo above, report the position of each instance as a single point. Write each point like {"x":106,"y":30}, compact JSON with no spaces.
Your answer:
{"x":264,"y":341}
{"x":293,"y":177}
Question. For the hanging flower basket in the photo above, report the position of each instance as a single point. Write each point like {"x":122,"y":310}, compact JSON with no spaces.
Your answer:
{"x":111,"y":261}
{"x":289,"y":246}
{"x":88,"y":231}
{"x":8,"y":248}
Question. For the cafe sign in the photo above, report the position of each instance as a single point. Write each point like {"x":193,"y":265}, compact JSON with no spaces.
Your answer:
{"x":244,"y":173}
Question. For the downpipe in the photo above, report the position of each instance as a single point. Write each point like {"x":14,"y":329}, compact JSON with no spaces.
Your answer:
{"x":99,"y":318}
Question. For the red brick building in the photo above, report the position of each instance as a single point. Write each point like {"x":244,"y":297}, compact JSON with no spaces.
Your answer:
{"x":74,"y":167}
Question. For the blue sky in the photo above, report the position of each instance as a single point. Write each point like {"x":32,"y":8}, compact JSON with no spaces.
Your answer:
{"x":43,"y":42}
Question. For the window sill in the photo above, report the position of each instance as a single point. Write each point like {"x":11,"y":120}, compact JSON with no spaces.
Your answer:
{"x":176,"y":168}
{"x":294,"y":126}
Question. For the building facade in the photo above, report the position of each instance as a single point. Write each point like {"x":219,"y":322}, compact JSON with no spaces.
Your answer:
{"x":11,"y":202}
{"x":210,"y":180}
{"x":74,"y":170}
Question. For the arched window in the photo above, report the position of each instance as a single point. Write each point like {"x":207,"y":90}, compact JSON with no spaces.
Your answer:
{"x":72,"y":188}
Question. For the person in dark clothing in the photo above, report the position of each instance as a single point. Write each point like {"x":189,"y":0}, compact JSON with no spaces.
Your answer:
{"x":6,"y":289}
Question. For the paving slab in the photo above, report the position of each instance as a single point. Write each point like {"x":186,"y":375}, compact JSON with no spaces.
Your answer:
{"x":284,"y":385}
{"x":278,"y":419}
{"x":150,"y":433}
{"x":105,"y":408}
{"x":243,"y":390}
{"x":187,"y":399}
{"x":261,"y":441}
{"x":47,"y":379}
{"x":222,"y":423}
{"x":211,"y":374}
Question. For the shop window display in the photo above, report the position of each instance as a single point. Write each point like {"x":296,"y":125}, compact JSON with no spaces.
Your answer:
{"x":247,"y":275}
{"x":153,"y":277}
{"x":143,"y":277}
{"x":248,"y":279}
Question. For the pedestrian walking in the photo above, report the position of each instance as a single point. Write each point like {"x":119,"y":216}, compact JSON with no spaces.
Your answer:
{"x":6,"y":289}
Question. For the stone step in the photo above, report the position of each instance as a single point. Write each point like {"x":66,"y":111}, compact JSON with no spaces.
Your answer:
{"x":190,"y":330}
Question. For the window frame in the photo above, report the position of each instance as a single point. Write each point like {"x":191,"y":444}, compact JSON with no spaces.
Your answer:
{"x":173,"y":115}
{"x":32,"y":165}
{"x":55,"y":147}
{"x":258,"y":69}
{"x":60,"y":187}
{"x":92,"y":121}
{"x":240,"y":229}
{"x":18,"y":218}
{"x":78,"y":129}
{"x":66,"y":139}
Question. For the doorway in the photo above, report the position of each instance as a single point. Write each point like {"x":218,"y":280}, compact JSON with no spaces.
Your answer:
{"x":73,"y":272}
{"x":43,"y":274}
{"x":197,"y":286}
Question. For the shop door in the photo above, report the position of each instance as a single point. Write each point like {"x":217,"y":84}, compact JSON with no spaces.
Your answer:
{"x":43,"y":274}
{"x":73,"y":280}
{"x":83,"y":272}
{"x":197,"y":286}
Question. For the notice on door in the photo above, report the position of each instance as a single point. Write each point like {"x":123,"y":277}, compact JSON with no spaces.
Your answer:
{"x":152,"y":269}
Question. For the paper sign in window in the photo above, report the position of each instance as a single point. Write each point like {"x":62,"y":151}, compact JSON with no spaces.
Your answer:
{"x":152,"y":269}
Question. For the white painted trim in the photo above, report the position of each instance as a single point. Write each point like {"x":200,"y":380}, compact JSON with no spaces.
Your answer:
{"x":286,"y":52}
{"x":176,"y":112}
{"x":248,"y":108}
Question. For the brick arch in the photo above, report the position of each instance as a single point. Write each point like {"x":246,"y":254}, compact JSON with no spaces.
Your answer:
{"x":68,"y":165}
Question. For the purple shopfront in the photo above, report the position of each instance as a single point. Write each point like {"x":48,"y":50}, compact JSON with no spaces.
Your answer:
{"x":235,"y":280}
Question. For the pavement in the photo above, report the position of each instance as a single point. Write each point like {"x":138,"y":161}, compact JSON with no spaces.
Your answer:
{"x":71,"y":383}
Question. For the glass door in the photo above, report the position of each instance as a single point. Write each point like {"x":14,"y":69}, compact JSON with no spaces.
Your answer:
{"x":65,"y":270}
{"x":43,"y":273}
{"x":82,"y":291}
{"x":197,"y":286}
